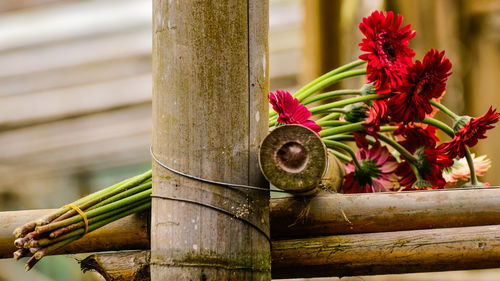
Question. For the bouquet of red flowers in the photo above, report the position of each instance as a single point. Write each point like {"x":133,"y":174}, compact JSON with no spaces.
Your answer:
{"x":390,"y":118}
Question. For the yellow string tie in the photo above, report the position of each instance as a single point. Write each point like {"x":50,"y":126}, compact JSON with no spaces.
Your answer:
{"x":84,"y":217}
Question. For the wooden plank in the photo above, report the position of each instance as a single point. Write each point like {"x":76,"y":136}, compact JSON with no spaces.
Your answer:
{"x":77,"y":143}
{"x":47,"y":106}
{"x":210,"y":73}
{"x":72,"y":20}
{"x":75,"y":52}
{"x":78,"y":75}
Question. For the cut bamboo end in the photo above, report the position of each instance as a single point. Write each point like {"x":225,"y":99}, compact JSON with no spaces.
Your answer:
{"x":293,"y":158}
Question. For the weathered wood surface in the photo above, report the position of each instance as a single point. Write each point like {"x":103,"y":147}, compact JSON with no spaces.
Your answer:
{"x":122,"y":266}
{"x":388,"y":252}
{"x":129,"y":233}
{"x":210,"y":87}
{"x":293,"y":158}
{"x":329,"y":214}
{"x":377,"y":212}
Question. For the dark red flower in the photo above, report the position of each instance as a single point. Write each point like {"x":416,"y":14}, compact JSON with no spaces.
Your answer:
{"x":377,"y":114}
{"x":376,"y":173}
{"x":431,"y":163}
{"x":421,"y":142}
{"x":469,"y":135}
{"x":386,"y":44}
{"x":424,"y":81}
{"x":291,"y":111}
{"x":414,"y":136}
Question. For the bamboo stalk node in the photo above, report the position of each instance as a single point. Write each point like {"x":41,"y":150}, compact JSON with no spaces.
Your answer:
{"x":293,"y":158}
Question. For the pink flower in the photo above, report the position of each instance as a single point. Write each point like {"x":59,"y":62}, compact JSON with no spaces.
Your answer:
{"x":377,"y":172}
{"x":291,"y":111}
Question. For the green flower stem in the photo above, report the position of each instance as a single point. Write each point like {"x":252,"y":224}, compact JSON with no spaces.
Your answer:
{"x":444,"y":109}
{"x":323,"y":83}
{"x":96,"y":199}
{"x":346,"y":138}
{"x":60,"y":231}
{"x":387,"y":128}
{"x":341,"y":156}
{"x":146,"y":185}
{"x":333,"y":115}
{"x":333,"y":123}
{"x":332,"y":110}
{"x":300,"y":93}
{"x":98,"y":222}
{"x":95,"y":212}
{"x":331,"y":94}
{"x":353,"y":127}
{"x":51,"y":217}
{"x":416,"y":172}
{"x":473,"y":177}
{"x":326,"y":76}
{"x":329,"y":74}
{"x":343,"y":137}
{"x":317,"y":87}
{"x":44,"y":251}
{"x":344,"y":147}
{"x":398,"y":148}
{"x":342,"y":103}
{"x":440,"y":125}
{"x":445,"y":128}
{"x":52,"y":247}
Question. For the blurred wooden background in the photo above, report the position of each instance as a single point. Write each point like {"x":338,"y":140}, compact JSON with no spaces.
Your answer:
{"x":75,"y":80}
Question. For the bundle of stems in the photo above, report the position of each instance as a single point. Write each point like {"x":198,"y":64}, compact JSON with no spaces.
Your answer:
{"x":48,"y":234}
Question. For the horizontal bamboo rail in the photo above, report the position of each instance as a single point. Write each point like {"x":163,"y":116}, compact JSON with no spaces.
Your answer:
{"x":476,"y":247}
{"x":465,"y":233}
{"x":380,"y":212}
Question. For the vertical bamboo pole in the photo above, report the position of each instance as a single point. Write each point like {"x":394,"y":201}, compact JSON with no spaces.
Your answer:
{"x":210,"y":72}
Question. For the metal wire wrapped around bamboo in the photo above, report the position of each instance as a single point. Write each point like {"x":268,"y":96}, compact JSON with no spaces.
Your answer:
{"x":293,"y":158}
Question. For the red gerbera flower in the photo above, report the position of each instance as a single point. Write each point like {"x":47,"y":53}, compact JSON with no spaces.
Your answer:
{"x":377,"y":114}
{"x":376,"y":173}
{"x":414,"y":136}
{"x":470,"y":134}
{"x":386,"y":44}
{"x":431,"y":162}
{"x":424,"y":81}
{"x":291,"y":111}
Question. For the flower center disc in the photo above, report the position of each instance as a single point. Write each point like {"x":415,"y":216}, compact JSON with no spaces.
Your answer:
{"x":292,"y":157}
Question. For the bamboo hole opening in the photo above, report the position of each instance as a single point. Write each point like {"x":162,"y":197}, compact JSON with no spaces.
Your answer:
{"x":292,"y":157}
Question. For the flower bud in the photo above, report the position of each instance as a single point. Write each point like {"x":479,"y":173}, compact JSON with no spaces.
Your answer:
{"x":355,"y":112}
{"x":460,"y":122}
{"x":368,"y":89}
